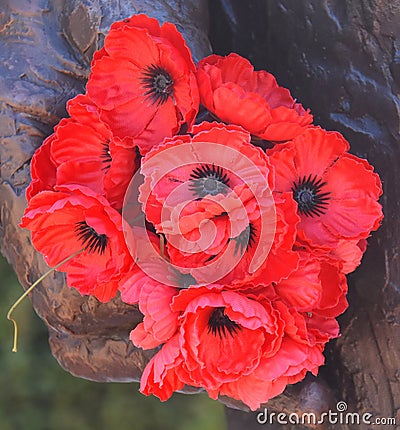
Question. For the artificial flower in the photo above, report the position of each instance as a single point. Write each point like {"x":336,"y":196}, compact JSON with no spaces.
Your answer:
{"x":210,"y":195}
{"x":336,"y":192}
{"x":85,"y":152}
{"x":317,"y":286}
{"x":143,"y":81}
{"x":236,"y":94}
{"x":232,"y":345}
{"x":71,"y":219}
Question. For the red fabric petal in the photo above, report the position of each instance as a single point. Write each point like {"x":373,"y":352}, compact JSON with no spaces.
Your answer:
{"x":302,"y":289}
{"x":253,"y":391}
{"x":43,"y":170}
{"x":164,"y":123}
{"x":251,"y":109}
{"x":133,"y":43}
{"x":109,"y":87}
{"x":159,"y":376}
{"x":334,"y":289}
{"x":77,"y":140}
{"x":235,"y":93}
{"x":354,"y":210}
{"x":87,"y":173}
{"x":321,"y":328}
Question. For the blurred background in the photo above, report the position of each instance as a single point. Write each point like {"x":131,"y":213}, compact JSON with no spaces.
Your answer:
{"x":37,"y":394}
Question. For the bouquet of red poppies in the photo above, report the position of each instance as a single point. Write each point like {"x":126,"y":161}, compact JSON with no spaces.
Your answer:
{"x":204,"y":194}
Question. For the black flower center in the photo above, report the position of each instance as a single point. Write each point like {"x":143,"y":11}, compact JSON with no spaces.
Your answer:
{"x":91,"y":240}
{"x":209,"y":180}
{"x":309,"y":195}
{"x":158,"y":84}
{"x":221,"y":324}
{"x":245,"y":240}
{"x":106,"y":155}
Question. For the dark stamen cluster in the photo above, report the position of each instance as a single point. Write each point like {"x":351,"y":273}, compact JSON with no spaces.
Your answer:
{"x":309,"y":195}
{"x":106,"y":155}
{"x":245,"y":240}
{"x":209,"y":180}
{"x":91,"y":240}
{"x":221,"y":324}
{"x":158,"y":84}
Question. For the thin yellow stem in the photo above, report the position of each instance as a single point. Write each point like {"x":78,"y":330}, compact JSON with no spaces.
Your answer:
{"x":35,"y":284}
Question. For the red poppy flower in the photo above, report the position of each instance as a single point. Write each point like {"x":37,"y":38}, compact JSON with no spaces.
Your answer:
{"x":153,"y":295}
{"x":313,"y":295}
{"x":74,"y":218}
{"x":236,"y":94}
{"x":43,"y":170}
{"x":186,"y":159}
{"x":318,"y":286}
{"x":231,"y":345}
{"x":143,"y":81}
{"x":336,"y":192}
{"x":85,"y":152}
{"x":276,"y":260}
{"x":198,"y":232}
{"x":210,"y":195}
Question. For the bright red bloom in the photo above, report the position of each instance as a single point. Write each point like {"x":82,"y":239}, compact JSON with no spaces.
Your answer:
{"x":318,"y":286}
{"x":153,"y":296}
{"x":232,"y":345}
{"x":143,"y":81}
{"x":210,"y":195}
{"x":236,"y":94}
{"x":85,"y":152}
{"x":337,"y":193}
{"x":184,"y":158}
{"x":74,"y":218}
